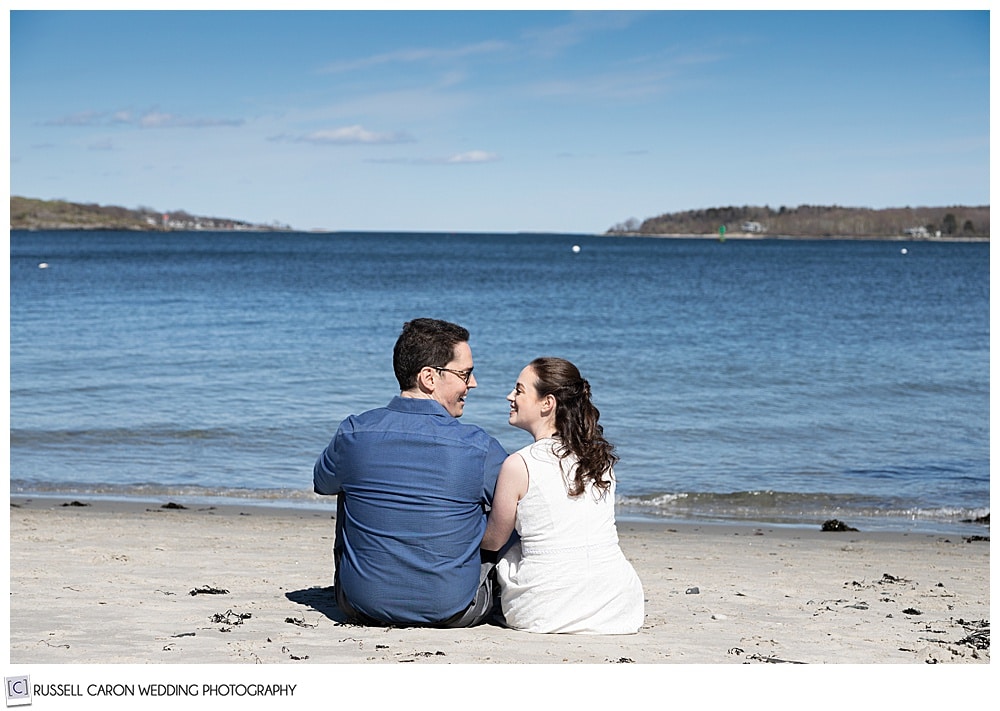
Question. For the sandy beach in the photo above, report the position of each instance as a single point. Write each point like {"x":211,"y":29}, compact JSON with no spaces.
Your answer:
{"x":137,"y":583}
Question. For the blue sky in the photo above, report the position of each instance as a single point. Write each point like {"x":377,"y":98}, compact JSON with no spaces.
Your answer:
{"x":561,"y":121}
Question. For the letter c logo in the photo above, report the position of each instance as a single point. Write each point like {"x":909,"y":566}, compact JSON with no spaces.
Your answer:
{"x":18,"y":687}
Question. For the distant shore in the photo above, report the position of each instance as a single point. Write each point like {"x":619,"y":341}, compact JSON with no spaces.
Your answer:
{"x":955,"y":223}
{"x":737,"y":236}
{"x":745,"y":236}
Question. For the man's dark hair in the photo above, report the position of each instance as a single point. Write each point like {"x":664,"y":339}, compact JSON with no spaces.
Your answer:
{"x":423,"y":342}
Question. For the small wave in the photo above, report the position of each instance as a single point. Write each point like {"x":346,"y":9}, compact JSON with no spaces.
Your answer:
{"x":796,"y":508}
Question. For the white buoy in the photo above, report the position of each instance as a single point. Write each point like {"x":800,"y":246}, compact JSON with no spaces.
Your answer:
{"x":576,"y":249}
{"x":43,"y":265}
{"x":903,"y":250}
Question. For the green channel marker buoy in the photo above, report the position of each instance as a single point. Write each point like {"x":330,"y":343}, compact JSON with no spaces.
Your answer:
{"x":722,"y":233}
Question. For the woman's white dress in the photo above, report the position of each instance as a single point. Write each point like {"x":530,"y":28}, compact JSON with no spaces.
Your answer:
{"x":567,"y":573}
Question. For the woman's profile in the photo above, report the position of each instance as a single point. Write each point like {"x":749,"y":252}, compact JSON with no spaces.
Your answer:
{"x":566,"y":573}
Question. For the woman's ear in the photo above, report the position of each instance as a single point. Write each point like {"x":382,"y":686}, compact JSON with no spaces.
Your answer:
{"x":548,"y":405}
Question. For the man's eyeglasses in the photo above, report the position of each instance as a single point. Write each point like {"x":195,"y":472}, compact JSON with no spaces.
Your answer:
{"x":465,"y":375}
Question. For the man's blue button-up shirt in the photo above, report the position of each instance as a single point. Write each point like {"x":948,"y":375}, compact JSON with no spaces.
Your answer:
{"x":416,"y":483}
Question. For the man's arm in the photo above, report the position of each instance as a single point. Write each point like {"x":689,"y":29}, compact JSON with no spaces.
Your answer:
{"x":325,"y":479}
{"x":496,"y":455}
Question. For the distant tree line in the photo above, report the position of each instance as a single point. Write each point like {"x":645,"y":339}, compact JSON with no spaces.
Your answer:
{"x":34,"y":214}
{"x":819,"y":221}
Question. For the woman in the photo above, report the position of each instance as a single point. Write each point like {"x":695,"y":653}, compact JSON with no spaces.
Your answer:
{"x":567,"y":573}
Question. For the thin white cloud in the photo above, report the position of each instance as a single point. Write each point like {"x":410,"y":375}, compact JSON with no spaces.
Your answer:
{"x":618,"y":86}
{"x":150,"y":119}
{"x":626,"y":78}
{"x":158,"y":119}
{"x":84,"y":118}
{"x":465,"y":158}
{"x":581,"y":25}
{"x":410,"y":56}
{"x":347,"y":135}
{"x":474,"y":157}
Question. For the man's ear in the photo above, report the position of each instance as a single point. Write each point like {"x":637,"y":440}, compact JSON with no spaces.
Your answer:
{"x":426,"y":379}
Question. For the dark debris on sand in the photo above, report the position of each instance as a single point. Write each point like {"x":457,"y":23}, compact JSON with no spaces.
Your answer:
{"x":769,"y":660}
{"x":299,"y":621}
{"x":229,"y":619}
{"x":979,"y":637}
{"x":835,"y":525}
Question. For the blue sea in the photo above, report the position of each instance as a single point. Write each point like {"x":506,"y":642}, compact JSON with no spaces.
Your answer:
{"x":775,"y":381}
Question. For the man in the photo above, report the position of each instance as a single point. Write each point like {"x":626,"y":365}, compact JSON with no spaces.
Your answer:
{"x":413,"y":486}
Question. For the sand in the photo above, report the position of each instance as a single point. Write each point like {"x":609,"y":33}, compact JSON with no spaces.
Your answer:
{"x":144,"y":583}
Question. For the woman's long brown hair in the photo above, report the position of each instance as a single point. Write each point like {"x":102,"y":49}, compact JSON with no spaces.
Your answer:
{"x":577,"y":425}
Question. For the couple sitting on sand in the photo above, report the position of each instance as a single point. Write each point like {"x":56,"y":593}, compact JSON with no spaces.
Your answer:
{"x":414,"y":543}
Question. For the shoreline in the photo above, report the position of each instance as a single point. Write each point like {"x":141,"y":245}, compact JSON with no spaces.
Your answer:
{"x":120,"y":582}
{"x":326,"y":509}
{"x":631,"y":512}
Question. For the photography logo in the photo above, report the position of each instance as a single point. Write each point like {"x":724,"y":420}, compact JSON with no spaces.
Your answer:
{"x":18,"y":690}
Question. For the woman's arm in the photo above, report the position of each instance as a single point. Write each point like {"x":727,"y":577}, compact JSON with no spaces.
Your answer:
{"x":512,"y":484}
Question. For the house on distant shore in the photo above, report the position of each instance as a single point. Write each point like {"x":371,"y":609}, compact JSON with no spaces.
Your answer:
{"x":752,"y":227}
{"x":917,"y":232}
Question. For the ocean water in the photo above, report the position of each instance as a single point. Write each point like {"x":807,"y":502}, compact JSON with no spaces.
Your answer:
{"x":766,"y":381}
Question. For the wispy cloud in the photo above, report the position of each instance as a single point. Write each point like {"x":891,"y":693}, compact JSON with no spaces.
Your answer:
{"x":347,"y":135}
{"x":417,"y":54}
{"x":626,"y":77}
{"x":85,"y":118}
{"x":614,"y":86}
{"x":465,"y":158}
{"x":152,"y":118}
{"x":579,"y":28}
{"x":158,"y":119}
{"x":474,"y":157}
